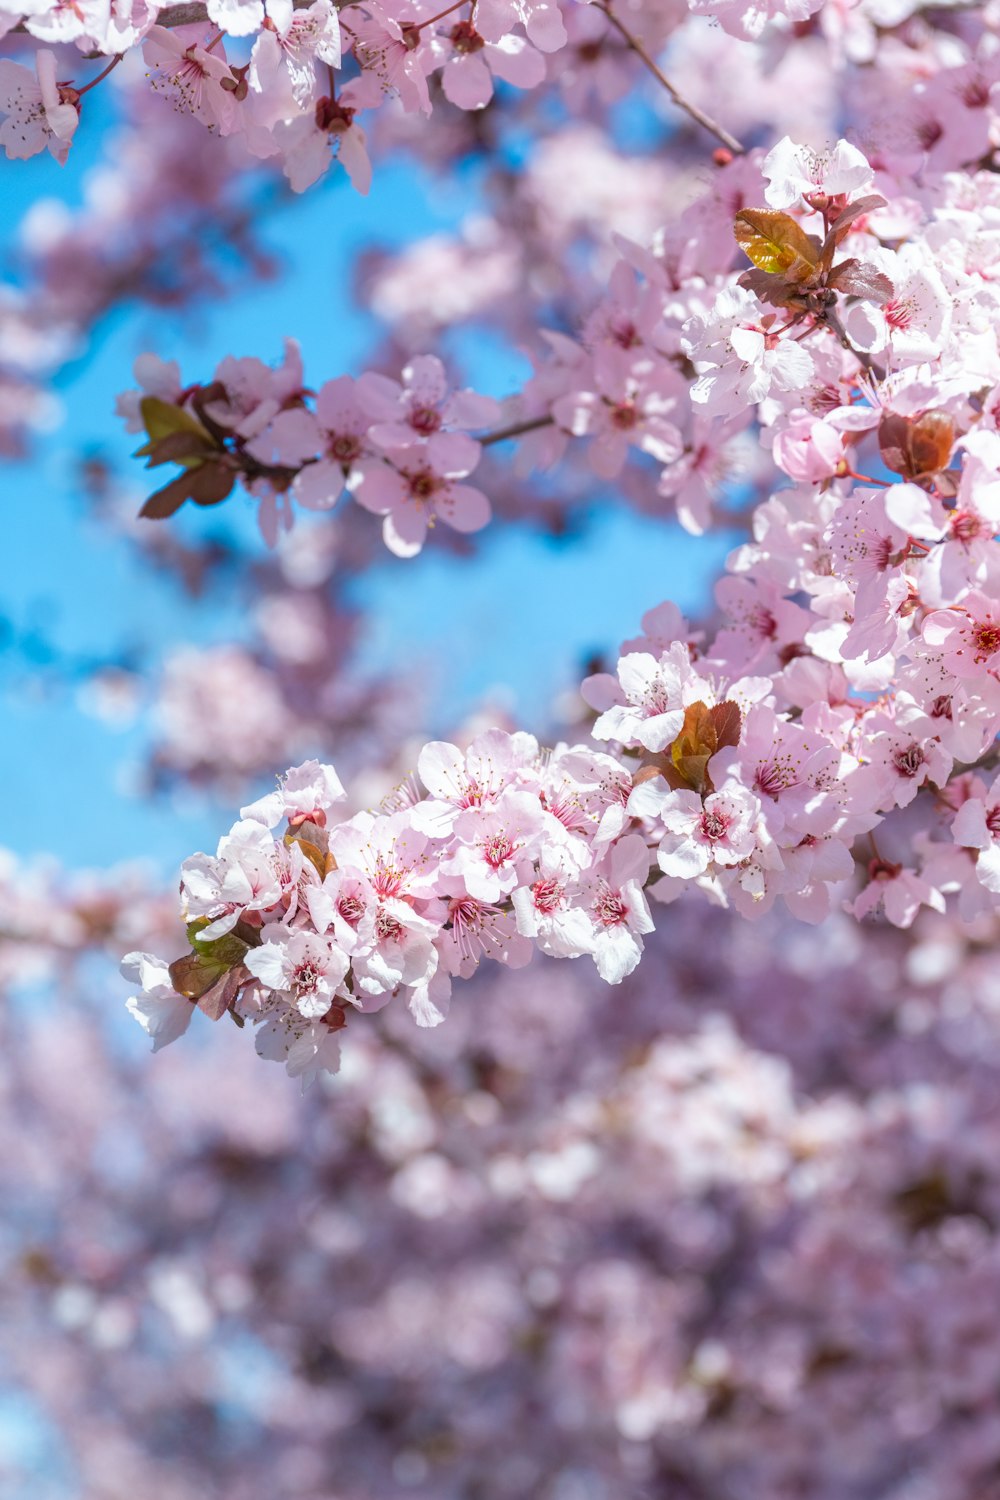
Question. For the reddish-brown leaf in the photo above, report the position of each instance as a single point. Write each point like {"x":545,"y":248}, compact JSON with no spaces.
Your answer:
{"x":777,"y":243}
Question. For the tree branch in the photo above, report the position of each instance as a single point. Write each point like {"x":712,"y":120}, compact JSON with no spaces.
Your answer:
{"x":696,"y":114}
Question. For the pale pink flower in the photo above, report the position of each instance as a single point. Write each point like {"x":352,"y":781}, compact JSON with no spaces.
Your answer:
{"x":412,"y":488}
{"x":40,"y":113}
{"x":300,"y":965}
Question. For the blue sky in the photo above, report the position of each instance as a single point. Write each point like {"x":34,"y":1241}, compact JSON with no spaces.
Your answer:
{"x":512,"y":624}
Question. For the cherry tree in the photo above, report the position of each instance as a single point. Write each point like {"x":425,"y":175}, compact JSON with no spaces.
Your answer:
{"x":704,"y":1154}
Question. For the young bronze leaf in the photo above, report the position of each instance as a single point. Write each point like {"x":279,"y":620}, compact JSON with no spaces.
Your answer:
{"x":856,"y":279}
{"x":769,"y":288}
{"x":727,"y":723}
{"x":694,"y":747}
{"x":916,"y":446}
{"x":168,"y":500}
{"x":194,"y":975}
{"x":777,"y":243}
{"x":188,"y":448}
{"x":217,"y":1000}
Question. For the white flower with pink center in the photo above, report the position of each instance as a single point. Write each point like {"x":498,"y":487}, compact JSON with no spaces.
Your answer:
{"x":389,"y":851}
{"x":722,"y":830}
{"x":304,"y":968}
{"x":612,"y":896}
{"x":653,"y":712}
{"x":39,"y":113}
{"x":739,"y":356}
{"x":790,"y":769}
{"x":968,"y":636}
{"x":798,"y":176}
{"x":190,"y":77}
{"x":477,"y":930}
{"x":458,"y":780}
{"x":249,"y":873}
{"x":407,"y":414}
{"x":545,"y":908}
{"x":345,"y":904}
{"x":584,"y":788}
{"x":494,"y":844}
{"x":400,"y":951}
{"x":413,"y":487}
{"x":900,"y":756}
{"x":283,"y":61}
{"x":307,"y":792}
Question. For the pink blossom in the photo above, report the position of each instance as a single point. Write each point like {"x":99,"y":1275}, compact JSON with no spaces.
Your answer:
{"x":412,"y":488}
{"x":40,"y":112}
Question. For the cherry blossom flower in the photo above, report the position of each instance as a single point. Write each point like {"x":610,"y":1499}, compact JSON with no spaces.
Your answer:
{"x":40,"y":113}
{"x":413,"y":488}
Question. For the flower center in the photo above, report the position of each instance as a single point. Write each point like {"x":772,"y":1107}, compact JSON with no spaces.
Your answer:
{"x":609,"y":908}
{"x":425,"y":419}
{"x":351,"y":908}
{"x":547,"y":895}
{"x":909,"y":760}
{"x":986,"y":639}
{"x":714,"y":826}
{"x":497,"y":850}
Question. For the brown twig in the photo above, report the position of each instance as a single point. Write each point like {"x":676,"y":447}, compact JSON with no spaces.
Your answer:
{"x":516,"y":429}
{"x":719,"y":131}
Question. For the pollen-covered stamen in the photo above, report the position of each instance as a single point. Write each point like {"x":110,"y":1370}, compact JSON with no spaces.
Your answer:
{"x":305,"y":979}
{"x":547,"y":895}
{"x":714,"y":826}
{"x":344,"y":448}
{"x":624,"y":415}
{"x":899,"y":313}
{"x":351,"y":909}
{"x":993,"y":821}
{"x":773,"y":777}
{"x":965,"y":525}
{"x":423,"y":484}
{"x":762,"y":622}
{"x":473,"y":926}
{"x":386,"y":880}
{"x":656,"y":698}
{"x":608,"y":906}
{"x":908,"y":759}
{"x":567,"y":809}
{"x":880,"y":552}
{"x":986,"y":639}
{"x":941,"y":707}
{"x":388,"y":929}
{"x":497,"y":849}
{"x":425,"y":420}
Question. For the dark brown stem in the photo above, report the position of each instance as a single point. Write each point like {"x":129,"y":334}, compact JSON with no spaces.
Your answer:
{"x":95,"y":81}
{"x":440,"y":15}
{"x":720,"y":133}
{"x":516,"y":429}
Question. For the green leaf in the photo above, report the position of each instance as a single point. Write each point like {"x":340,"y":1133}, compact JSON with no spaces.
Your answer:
{"x":161,"y":418}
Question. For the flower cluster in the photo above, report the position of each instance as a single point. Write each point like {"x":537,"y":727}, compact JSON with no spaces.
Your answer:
{"x":282,"y":100}
{"x":402,"y":450}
